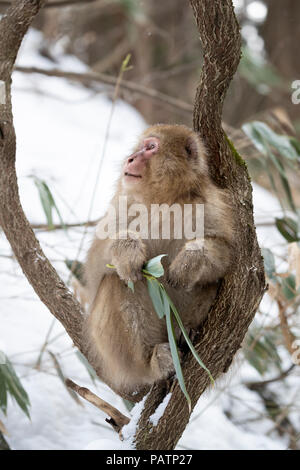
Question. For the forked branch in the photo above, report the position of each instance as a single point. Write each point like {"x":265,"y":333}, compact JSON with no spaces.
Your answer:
{"x":224,"y":329}
{"x":240,"y":293}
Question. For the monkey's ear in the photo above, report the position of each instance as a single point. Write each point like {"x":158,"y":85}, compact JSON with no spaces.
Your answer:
{"x":191,"y":148}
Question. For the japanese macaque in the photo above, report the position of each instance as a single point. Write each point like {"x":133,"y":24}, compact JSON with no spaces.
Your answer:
{"x":130,"y":343}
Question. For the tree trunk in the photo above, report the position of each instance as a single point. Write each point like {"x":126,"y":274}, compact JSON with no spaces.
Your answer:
{"x":240,"y":293}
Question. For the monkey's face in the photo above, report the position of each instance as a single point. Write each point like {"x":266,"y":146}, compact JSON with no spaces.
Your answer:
{"x":167,"y":162}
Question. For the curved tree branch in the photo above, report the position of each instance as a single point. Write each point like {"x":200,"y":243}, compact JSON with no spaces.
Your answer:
{"x":55,"y":4}
{"x":38,"y":270}
{"x":240,"y":294}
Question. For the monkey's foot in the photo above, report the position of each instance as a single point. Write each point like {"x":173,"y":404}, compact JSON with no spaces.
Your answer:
{"x":162,"y":362}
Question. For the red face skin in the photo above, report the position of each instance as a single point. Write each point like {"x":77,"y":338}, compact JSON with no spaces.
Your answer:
{"x":135,"y":165}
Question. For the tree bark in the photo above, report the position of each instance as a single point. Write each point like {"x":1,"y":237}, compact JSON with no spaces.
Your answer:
{"x":36,"y":267}
{"x":240,"y":293}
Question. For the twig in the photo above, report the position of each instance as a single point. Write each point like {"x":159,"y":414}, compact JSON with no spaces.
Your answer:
{"x":288,"y":336}
{"x":257,"y":385}
{"x":124,"y":67}
{"x":91,"y":77}
{"x":39,"y":359}
{"x":46,"y":228}
{"x":55,"y":4}
{"x":27,"y":250}
{"x":117,"y":419}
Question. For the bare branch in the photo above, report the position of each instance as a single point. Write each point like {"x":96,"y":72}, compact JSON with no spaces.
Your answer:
{"x":92,"y":77}
{"x":117,"y":419}
{"x":55,"y":4}
{"x":46,"y":228}
{"x":37,"y":268}
{"x":289,"y":337}
{"x":263,"y":383}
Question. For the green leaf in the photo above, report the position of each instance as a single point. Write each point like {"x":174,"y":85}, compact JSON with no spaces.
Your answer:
{"x":14,"y":387}
{"x":129,"y":404}
{"x":261,"y":351}
{"x":265,"y":139}
{"x":3,"y":394}
{"x":76,"y":268}
{"x":288,"y":229}
{"x":63,"y":378}
{"x":155,"y":294}
{"x":186,"y":336}
{"x":288,"y":285}
{"x":175,"y":355}
{"x":262,"y":134}
{"x":269,"y":262}
{"x":296,"y":144}
{"x":154,"y":266}
{"x":48,"y":202}
{"x":131,"y":285}
{"x":88,"y":366}
{"x":45,"y":201}
{"x":257,"y":71}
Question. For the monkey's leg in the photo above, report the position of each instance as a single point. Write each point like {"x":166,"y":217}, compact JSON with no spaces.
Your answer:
{"x":161,"y":363}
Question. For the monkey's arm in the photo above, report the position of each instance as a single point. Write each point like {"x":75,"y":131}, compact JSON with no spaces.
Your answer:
{"x":201,"y":261}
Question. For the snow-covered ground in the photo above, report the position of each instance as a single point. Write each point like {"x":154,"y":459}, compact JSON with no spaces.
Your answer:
{"x":61,"y":130}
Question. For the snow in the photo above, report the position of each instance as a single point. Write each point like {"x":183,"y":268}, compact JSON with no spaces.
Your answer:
{"x":160,"y":410}
{"x":60,"y":129}
{"x":129,"y":431}
{"x":2,"y":92}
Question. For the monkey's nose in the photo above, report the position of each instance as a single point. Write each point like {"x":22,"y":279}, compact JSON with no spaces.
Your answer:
{"x":150,"y":146}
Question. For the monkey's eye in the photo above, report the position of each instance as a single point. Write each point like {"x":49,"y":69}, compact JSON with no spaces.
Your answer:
{"x":188,"y":150}
{"x":191,"y":148}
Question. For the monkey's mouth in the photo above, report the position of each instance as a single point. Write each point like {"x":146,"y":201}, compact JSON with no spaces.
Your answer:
{"x":132,"y":175}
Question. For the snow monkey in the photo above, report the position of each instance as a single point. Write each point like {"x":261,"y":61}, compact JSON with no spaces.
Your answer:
{"x":167,"y":168}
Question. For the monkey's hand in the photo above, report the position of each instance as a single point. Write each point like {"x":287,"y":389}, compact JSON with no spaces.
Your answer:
{"x":203,"y":261}
{"x":128,"y":256}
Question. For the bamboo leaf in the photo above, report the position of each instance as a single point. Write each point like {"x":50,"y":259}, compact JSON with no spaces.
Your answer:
{"x":45,"y":201}
{"x":186,"y":336}
{"x":175,"y":356}
{"x":154,"y":266}
{"x":14,"y":387}
{"x":88,"y":366}
{"x":76,"y":268}
{"x":131,"y":285}
{"x":288,"y":229}
{"x":155,"y":294}
{"x":3,"y":393}
{"x":63,"y":378}
{"x":48,"y":202}
{"x":129,"y":404}
{"x":288,"y":286}
{"x":269,"y":262}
